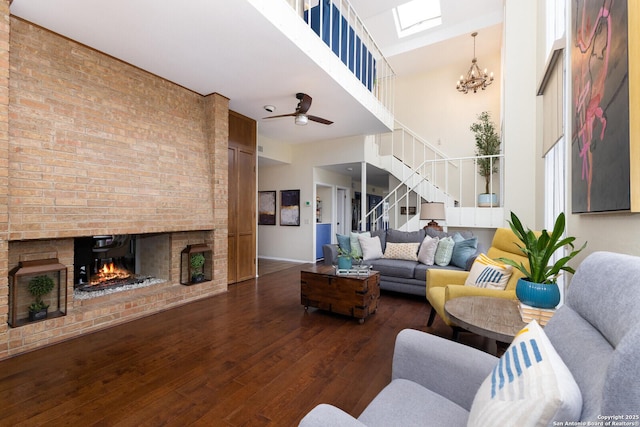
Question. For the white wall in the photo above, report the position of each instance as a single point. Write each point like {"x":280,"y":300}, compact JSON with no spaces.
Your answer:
{"x":523,"y":188}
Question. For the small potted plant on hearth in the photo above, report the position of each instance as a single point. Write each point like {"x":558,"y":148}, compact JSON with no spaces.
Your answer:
{"x":487,"y":144}
{"x":539,"y":287}
{"x":39,"y":286}
{"x":197,"y":262}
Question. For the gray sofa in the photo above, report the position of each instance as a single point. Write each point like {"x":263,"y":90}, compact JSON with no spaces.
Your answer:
{"x":409,"y":277}
{"x":596,"y":333}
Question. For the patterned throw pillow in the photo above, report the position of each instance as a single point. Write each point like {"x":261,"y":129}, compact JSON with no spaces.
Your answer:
{"x":427,"y":252}
{"x":444,"y":251}
{"x":530,"y":386}
{"x":488,"y":273}
{"x":406,"y":251}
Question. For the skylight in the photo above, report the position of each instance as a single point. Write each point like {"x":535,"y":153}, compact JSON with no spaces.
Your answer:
{"x":417,"y":15}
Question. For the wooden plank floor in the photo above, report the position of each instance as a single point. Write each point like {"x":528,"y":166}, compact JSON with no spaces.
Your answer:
{"x":249,"y":357}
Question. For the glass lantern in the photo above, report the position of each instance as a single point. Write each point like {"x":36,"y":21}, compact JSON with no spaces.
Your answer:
{"x":196,"y":264}
{"x":37,"y":291}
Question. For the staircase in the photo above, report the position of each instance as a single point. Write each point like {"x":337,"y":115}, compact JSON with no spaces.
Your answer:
{"x":424,"y":173}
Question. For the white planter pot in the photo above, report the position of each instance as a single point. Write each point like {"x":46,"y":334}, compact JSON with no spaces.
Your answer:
{"x":486,"y":200}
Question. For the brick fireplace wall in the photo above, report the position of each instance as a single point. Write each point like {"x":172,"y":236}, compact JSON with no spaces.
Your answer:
{"x":90,"y":145}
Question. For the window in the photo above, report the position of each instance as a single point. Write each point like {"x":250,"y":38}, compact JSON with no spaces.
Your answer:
{"x":416,"y":16}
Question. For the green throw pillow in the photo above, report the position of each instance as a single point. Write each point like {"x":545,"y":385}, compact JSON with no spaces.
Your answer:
{"x":444,"y":251}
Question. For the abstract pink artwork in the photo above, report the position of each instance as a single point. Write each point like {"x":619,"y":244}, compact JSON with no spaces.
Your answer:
{"x":600,"y":106}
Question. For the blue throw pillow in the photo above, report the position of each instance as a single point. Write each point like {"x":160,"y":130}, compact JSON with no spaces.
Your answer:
{"x":344,"y":243}
{"x":462,"y":250}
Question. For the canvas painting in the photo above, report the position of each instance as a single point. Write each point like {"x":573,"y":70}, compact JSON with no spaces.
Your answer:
{"x":600,"y":148}
{"x":266,"y":208}
{"x":290,"y":207}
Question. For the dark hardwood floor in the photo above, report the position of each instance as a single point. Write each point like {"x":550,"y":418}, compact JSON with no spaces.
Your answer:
{"x":249,"y":357}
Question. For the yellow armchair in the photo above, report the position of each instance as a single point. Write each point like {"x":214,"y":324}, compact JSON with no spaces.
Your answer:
{"x":443,"y":285}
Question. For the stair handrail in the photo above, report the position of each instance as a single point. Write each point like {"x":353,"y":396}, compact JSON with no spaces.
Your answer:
{"x":444,"y":192}
{"x":409,"y":189}
{"x":399,"y":126}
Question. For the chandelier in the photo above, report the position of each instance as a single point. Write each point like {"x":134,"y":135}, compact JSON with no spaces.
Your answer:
{"x":475,"y":78}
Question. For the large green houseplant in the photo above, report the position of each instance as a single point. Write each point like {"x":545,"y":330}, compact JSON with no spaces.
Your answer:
{"x":542,"y":274}
{"x":487,"y":144}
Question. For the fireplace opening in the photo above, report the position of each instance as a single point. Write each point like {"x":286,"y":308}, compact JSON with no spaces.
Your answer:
{"x":118,"y":262}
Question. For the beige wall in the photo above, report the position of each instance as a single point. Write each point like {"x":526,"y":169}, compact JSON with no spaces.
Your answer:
{"x":429,"y":105}
{"x":298,"y":243}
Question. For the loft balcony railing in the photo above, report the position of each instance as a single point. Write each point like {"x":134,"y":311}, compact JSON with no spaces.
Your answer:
{"x":338,"y":25}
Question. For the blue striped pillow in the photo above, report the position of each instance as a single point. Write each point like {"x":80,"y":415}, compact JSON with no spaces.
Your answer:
{"x":488,"y":273}
{"x":530,"y":386}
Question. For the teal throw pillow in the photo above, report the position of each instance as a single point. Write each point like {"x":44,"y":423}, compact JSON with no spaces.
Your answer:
{"x":344,"y":243}
{"x":462,"y":250}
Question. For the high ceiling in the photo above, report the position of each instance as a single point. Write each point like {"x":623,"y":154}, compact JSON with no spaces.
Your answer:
{"x":228,"y":47}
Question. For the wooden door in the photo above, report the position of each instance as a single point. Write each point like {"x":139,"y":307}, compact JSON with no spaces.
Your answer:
{"x":242,"y":198}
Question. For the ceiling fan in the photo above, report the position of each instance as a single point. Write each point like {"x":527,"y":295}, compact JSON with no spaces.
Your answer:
{"x":301,"y":112}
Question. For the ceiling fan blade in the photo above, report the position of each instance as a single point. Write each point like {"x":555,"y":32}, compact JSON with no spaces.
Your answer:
{"x":281,"y":115}
{"x":319,"y":120}
{"x":304,"y":104}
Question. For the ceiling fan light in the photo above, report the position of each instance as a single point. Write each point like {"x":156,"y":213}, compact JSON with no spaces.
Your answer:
{"x":301,"y":120}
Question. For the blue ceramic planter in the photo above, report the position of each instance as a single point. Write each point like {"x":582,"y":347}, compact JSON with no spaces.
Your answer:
{"x":538,"y":294}
{"x":344,"y":263}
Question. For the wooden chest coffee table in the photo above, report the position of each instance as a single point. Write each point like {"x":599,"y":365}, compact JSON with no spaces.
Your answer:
{"x":355,"y":296}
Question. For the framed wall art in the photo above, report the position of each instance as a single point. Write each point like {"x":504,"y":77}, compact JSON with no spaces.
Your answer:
{"x":266,"y":208}
{"x":290,"y":207}
{"x":604,"y":106}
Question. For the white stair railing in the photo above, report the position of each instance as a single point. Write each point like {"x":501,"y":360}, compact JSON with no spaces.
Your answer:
{"x":427,"y":174}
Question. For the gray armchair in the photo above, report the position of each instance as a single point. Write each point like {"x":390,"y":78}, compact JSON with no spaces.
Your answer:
{"x":596,"y":333}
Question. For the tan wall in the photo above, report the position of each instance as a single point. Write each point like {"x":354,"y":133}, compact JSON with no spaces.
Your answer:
{"x":97,"y":146}
{"x":90,"y":145}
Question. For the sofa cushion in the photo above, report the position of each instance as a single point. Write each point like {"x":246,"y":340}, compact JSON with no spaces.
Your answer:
{"x":488,"y":273}
{"x":406,"y":403}
{"x":463,"y":249}
{"x":406,"y":251}
{"x":397,"y":236}
{"x":420,"y":272}
{"x":371,"y":248}
{"x":530,"y":386}
{"x":427,"y":251}
{"x":394,"y":267}
{"x":441,"y":234}
{"x":444,"y":251}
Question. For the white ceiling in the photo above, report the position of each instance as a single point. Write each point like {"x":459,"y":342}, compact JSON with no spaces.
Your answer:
{"x":228,"y":47}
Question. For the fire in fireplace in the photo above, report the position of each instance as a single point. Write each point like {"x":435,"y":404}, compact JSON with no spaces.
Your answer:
{"x":114,"y":261}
